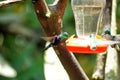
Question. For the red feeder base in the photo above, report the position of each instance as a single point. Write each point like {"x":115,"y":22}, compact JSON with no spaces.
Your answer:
{"x":83,"y":46}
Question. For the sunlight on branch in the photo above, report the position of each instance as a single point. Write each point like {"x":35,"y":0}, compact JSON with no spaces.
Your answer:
{"x":5,"y":69}
{"x":53,"y":68}
{"x":6,"y":2}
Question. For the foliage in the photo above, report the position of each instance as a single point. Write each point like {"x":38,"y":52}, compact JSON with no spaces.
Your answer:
{"x":118,"y":9}
{"x":22,"y":54}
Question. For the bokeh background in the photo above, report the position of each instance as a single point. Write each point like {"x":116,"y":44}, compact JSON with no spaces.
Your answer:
{"x":20,"y":43}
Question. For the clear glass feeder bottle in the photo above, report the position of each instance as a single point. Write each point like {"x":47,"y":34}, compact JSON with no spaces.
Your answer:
{"x":88,"y":14}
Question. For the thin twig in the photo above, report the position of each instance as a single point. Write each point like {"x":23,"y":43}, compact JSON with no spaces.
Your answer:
{"x":7,"y":2}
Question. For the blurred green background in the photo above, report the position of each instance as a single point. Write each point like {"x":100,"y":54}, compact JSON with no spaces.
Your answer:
{"x":20,"y":45}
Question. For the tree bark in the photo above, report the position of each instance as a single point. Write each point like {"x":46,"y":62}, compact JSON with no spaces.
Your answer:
{"x":99,"y":72}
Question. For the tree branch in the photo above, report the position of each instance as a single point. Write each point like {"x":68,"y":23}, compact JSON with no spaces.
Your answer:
{"x":99,"y":73}
{"x":61,"y":6}
{"x":41,"y":8}
{"x":113,"y":20}
{"x":112,"y":66}
{"x":70,"y":63}
{"x":7,"y":2}
{"x":52,"y":25}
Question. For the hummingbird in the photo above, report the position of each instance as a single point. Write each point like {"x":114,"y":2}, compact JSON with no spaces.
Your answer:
{"x":107,"y":35}
{"x":55,"y":40}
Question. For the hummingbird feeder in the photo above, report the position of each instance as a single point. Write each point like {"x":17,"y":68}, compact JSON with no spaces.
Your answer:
{"x":88,"y":20}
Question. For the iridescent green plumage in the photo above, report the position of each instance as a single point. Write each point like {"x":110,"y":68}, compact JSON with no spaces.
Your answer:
{"x":56,"y":40}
